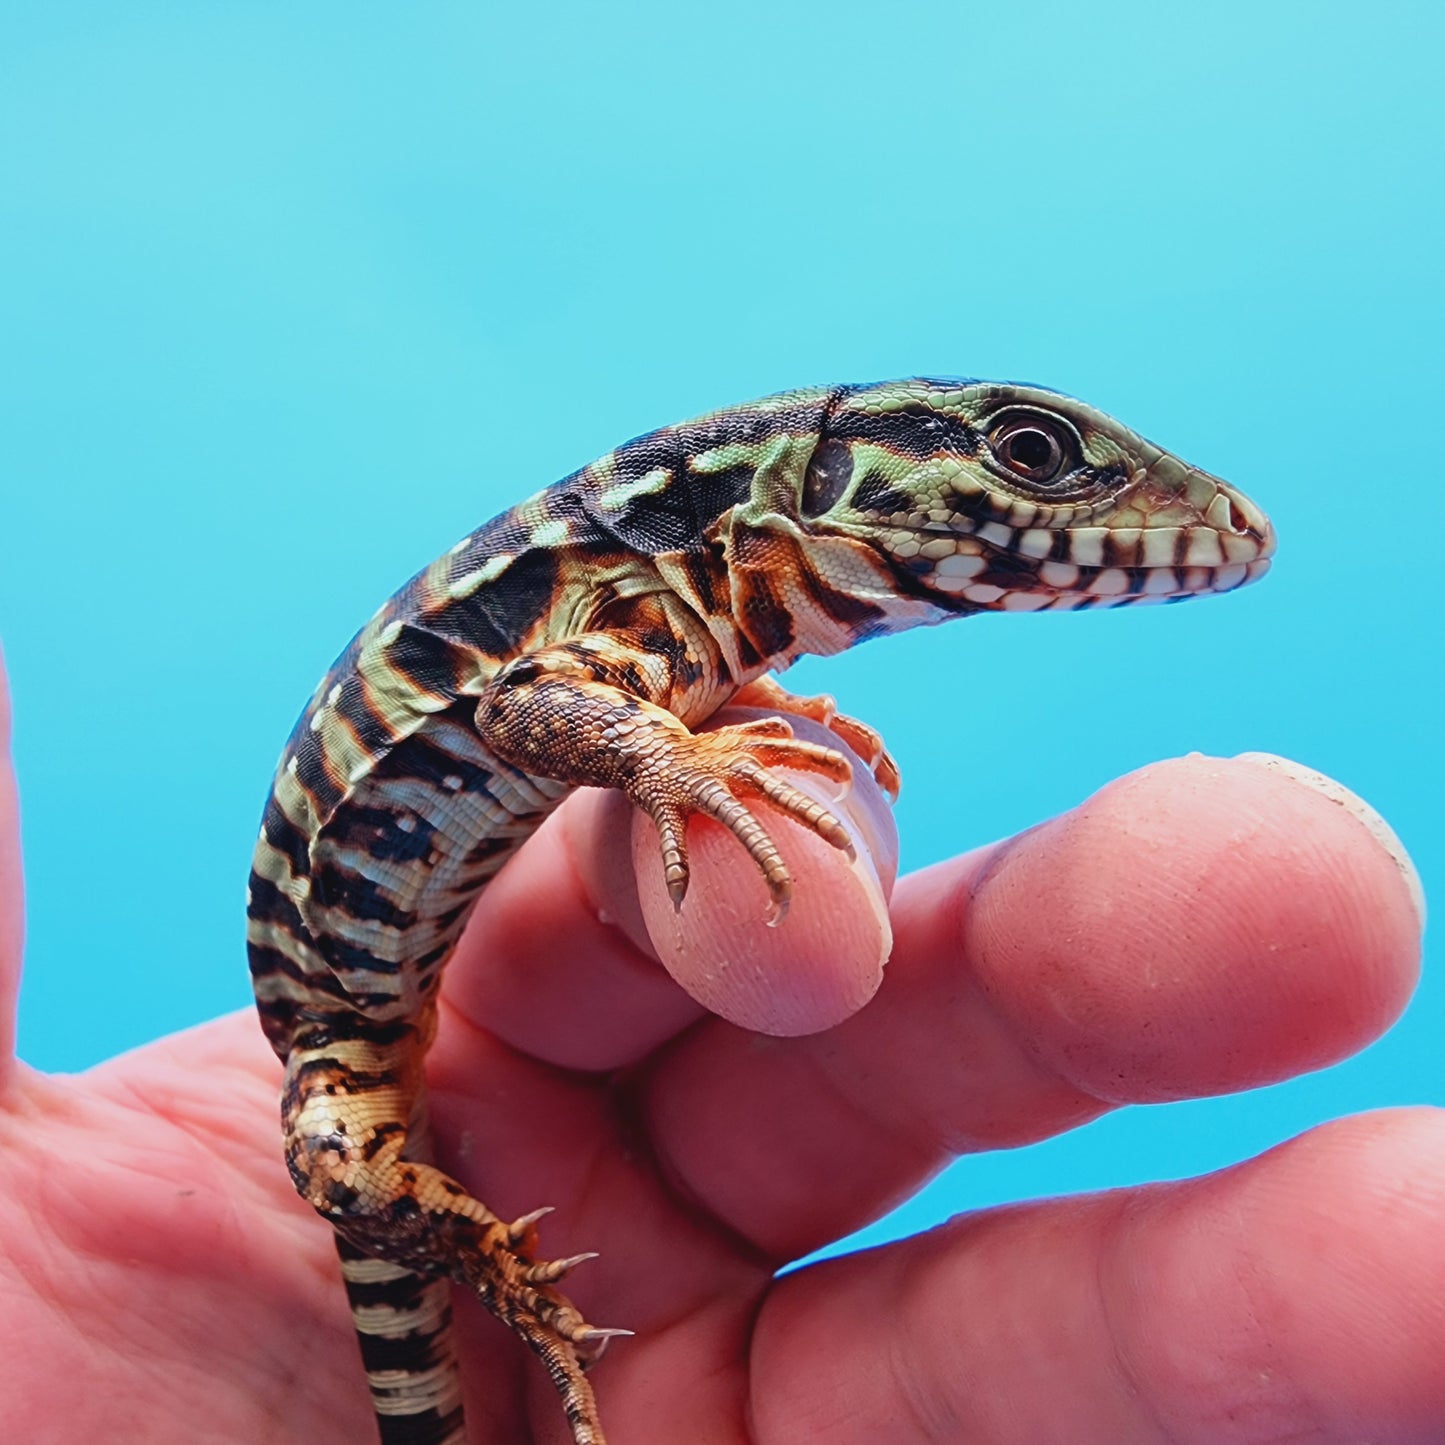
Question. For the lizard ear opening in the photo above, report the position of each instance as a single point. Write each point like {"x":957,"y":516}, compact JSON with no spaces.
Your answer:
{"x":830,"y":470}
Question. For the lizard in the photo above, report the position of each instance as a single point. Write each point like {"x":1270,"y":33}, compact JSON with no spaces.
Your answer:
{"x":581,"y":638}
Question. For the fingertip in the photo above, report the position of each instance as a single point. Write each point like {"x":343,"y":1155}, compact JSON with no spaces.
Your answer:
{"x":823,"y":959}
{"x":1201,"y":925}
{"x":1357,"y":808}
{"x":1315,"y":1273}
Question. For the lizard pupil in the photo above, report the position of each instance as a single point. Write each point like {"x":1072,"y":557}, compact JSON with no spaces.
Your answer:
{"x":1030,"y":450}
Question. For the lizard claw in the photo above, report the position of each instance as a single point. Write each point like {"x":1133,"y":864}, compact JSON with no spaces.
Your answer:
{"x":549,"y":1271}
{"x":864,"y":740}
{"x":597,"y":1340}
{"x":519,"y":1230}
{"x":717,"y":774}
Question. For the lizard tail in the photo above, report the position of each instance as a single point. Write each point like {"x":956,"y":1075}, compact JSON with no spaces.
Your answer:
{"x":403,"y":1323}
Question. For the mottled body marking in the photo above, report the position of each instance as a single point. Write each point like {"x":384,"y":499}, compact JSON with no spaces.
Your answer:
{"x":578,"y":639}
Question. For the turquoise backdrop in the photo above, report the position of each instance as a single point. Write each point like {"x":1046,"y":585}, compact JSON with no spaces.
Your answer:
{"x":292,"y":297}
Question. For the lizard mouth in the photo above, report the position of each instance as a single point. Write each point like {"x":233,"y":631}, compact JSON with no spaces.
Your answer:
{"x":1118,"y":586}
{"x":1171,"y":532}
{"x":1022,"y":571}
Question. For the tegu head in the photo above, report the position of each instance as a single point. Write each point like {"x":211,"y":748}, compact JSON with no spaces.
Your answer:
{"x":978,"y":495}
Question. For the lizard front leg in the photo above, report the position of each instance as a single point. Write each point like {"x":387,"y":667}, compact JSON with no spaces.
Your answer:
{"x":591,"y":712}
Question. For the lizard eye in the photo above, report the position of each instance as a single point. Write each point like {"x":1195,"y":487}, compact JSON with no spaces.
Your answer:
{"x":1032,"y":448}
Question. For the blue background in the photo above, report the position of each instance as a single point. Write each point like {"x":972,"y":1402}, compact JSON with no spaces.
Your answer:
{"x":294,"y":297}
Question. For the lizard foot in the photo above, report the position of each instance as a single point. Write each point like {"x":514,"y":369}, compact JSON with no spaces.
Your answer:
{"x":864,"y":740}
{"x":498,"y":1264}
{"x":717,"y":774}
{"x":404,"y":1220}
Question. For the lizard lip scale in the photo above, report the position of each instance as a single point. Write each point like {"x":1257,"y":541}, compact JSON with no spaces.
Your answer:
{"x":1170,"y":532}
{"x":1174,"y":563}
{"x":579,"y":639}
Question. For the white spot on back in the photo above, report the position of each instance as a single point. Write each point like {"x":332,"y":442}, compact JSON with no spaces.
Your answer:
{"x":489,"y":571}
{"x":617,"y":497}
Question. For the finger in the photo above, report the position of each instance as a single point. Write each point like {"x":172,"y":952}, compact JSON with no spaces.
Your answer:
{"x":12,"y":902}
{"x":1299,"y":1296}
{"x":557,"y":960}
{"x":1197,"y":927}
{"x":824,"y":960}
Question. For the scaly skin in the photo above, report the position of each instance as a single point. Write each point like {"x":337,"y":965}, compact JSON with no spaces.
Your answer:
{"x":579,"y":639}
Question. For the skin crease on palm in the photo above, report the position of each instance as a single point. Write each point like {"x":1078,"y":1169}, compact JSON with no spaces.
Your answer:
{"x":1198,"y":927}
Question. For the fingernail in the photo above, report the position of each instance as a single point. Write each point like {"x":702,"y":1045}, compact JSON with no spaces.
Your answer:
{"x":1382,"y":832}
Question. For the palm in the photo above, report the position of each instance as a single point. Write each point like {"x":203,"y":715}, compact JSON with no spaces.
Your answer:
{"x":165,"y":1284}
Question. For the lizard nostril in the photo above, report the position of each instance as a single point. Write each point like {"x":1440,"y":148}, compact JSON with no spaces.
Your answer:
{"x":1237,"y":518}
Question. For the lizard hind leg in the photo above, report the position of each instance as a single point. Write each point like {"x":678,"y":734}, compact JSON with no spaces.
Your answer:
{"x":404,"y":1229}
{"x":448,"y":1233}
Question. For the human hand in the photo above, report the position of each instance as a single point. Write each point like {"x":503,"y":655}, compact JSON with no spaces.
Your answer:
{"x":1200,"y":926}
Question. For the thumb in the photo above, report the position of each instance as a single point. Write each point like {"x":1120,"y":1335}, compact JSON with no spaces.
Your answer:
{"x":12,"y":907}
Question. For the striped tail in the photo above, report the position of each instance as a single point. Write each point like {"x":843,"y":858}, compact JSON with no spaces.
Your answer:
{"x":403,"y":1323}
